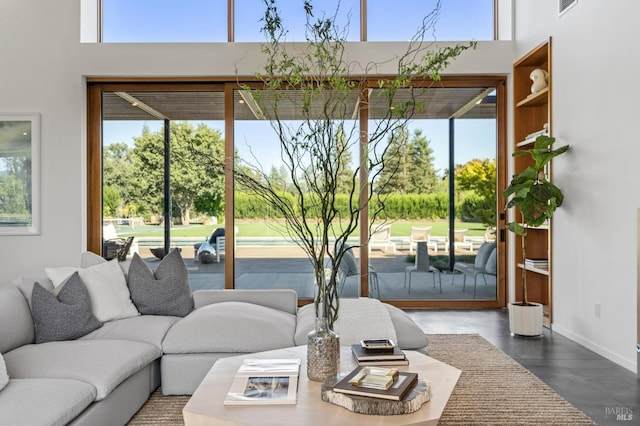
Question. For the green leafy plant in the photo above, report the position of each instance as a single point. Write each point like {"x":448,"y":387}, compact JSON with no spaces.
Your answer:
{"x":533,"y":194}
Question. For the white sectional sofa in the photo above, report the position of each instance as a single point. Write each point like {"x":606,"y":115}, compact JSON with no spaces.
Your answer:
{"x":103,"y":377}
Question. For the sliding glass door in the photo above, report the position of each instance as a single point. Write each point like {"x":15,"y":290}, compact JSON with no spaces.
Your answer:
{"x":163,"y":178}
{"x":164,"y":159}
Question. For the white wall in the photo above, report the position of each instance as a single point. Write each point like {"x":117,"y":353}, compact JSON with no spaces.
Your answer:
{"x":595,"y":90}
{"x":595,"y":95}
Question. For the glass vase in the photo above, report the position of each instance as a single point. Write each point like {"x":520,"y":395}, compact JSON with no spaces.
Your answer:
{"x":323,"y":352}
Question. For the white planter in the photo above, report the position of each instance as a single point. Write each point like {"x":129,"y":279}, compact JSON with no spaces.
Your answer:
{"x":525,"y":320}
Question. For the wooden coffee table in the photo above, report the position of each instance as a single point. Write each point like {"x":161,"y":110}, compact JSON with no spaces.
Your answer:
{"x":206,"y":405}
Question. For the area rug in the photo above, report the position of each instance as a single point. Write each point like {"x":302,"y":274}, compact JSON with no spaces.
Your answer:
{"x":493,"y":389}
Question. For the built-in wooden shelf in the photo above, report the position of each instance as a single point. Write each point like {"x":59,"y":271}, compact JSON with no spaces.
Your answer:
{"x":536,"y":270}
{"x":531,"y":114}
{"x":529,"y":141}
{"x":536,"y":99}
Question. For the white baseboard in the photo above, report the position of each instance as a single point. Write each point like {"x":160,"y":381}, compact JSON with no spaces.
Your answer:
{"x":628,"y":364}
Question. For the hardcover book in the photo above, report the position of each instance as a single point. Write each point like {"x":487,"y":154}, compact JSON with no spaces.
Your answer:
{"x":404,"y":382}
{"x":265,"y":381}
{"x":383,"y":362}
{"x":362,"y":354}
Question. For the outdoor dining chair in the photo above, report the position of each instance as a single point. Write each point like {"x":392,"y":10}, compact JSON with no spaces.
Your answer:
{"x":422,"y":265}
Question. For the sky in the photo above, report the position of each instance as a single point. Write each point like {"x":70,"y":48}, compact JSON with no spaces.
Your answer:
{"x":206,"y":20}
{"x":161,"y":21}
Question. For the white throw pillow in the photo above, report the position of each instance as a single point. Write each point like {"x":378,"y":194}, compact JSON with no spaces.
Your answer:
{"x":4,"y":376}
{"x":107,"y":285}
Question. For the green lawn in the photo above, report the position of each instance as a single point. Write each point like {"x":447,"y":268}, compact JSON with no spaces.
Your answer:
{"x":401,"y":228}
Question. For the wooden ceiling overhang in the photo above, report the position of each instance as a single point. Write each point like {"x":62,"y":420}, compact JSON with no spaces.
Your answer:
{"x":205,"y":105}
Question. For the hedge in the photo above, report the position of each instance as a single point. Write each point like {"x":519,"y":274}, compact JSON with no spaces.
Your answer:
{"x":395,"y":206}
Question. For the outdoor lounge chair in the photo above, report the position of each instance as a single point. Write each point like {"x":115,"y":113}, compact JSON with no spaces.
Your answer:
{"x":211,"y":248}
{"x":421,"y":233}
{"x":114,"y":246}
{"x":381,"y":238}
{"x":459,"y":240}
{"x":208,"y":251}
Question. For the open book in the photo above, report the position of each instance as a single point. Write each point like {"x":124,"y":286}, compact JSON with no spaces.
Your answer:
{"x":265,"y":381}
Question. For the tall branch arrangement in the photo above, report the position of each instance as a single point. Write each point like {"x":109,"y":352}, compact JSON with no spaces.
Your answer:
{"x":313,"y":95}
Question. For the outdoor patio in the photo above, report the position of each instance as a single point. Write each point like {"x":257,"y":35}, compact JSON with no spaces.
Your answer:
{"x":288,"y":267}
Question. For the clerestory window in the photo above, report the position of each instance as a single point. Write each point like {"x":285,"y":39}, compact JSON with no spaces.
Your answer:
{"x":188,"y":21}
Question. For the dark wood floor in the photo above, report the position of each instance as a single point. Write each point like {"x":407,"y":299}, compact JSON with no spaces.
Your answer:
{"x":595,"y":385}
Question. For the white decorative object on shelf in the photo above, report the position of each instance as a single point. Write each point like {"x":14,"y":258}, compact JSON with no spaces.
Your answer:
{"x":540,"y":80}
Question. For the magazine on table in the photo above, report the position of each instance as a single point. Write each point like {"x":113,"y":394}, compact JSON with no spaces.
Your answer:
{"x":265,"y":381}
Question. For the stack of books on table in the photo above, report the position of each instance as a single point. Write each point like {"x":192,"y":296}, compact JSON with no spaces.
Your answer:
{"x":537,"y":263}
{"x":377,"y":382}
{"x":385,"y":356}
{"x":264,"y":381}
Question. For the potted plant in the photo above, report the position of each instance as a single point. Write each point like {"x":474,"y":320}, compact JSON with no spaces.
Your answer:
{"x":537,"y":199}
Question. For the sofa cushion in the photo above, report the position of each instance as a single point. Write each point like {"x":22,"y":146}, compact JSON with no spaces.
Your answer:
{"x":231,"y":327}
{"x":103,"y":363}
{"x":283,"y":299}
{"x":4,"y":376}
{"x":410,"y":336}
{"x":110,"y":298}
{"x":144,"y":328}
{"x":165,"y":292}
{"x":89,"y":258}
{"x":55,"y":402}
{"x":407,"y":333}
{"x":361,"y":318}
{"x":66,"y":316}
{"x":25,"y":284}
{"x":16,"y":323}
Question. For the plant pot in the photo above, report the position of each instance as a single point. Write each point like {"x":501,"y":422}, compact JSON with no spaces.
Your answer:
{"x":525,"y":320}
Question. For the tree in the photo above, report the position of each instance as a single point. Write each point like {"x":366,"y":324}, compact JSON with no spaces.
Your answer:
{"x":13,"y":198}
{"x":480,"y":176}
{"x":409,"y":168}
{"x":278,"y":177}
{"x":424,"y":178}
{"x":190,"y":177}
{"x":110,"y":200}
{"x":343,"y":157}
{"x":117,"y":174}
{"x":18,"y":180}
{"x":396,"y":177}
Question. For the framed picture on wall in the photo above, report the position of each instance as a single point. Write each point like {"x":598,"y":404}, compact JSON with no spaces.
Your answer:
{"x":19,"y":174}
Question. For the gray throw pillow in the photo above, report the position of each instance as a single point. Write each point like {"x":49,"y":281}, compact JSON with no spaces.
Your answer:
{"x":165,"y":292}
{"x":66,"y":316}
